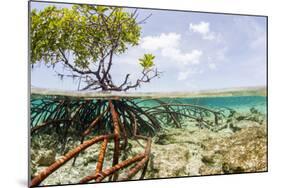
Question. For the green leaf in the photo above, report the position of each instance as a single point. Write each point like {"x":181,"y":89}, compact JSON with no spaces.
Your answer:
{"x":147,"y":61}
{"x":86,"y":32}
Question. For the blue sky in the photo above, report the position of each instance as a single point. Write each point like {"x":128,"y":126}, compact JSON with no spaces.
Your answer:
{"x":195,"y":51}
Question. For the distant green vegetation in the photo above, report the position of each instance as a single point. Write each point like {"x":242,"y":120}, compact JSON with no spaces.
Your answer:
{"x":215,"y":93}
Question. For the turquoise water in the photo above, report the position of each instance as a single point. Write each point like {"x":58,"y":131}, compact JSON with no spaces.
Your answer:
{"x":179,"y":133}
{"x":238,"y":103}
{"x":241,"y":104}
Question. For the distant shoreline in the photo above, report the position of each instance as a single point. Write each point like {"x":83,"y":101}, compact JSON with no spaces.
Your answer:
{"x":246,"y":91}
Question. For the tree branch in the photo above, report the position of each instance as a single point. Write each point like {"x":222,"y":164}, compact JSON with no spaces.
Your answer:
{"x":66,"y":62}
{"x":144,"y":79}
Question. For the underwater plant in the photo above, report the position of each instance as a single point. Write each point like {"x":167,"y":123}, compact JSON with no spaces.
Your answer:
{"x":115,"y":119}
{"x":84,"y":39}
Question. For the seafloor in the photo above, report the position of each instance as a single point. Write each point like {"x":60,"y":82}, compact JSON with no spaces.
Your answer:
{"x":187,"y":151}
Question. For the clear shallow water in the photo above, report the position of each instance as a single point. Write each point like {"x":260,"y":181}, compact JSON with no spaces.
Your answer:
{"x":178,"y":142}
{"x":239,"y":103}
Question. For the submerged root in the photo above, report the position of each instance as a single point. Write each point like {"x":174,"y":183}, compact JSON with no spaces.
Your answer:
{"x":49,"y":170}
{"x":119,"y":120}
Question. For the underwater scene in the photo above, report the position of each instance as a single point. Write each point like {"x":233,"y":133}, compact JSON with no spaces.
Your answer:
{"x":84,"y":140}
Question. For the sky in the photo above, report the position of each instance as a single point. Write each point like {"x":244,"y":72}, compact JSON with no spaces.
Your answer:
{"x":194,"y":51}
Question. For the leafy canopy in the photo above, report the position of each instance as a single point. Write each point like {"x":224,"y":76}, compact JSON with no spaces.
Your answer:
{"x":85,"y":31}
{"x":85,"y":38}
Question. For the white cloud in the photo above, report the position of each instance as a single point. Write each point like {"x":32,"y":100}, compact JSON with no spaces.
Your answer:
{"x":202,"y":28}
{"x":169,"y":46}
{"x":217,"y":57}
{"x":183,"y":75}
{"x":186,"y":58}
{"x":170,"y":40}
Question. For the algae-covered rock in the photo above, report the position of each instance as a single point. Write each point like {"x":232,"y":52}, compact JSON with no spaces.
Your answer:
{"x":90,"y":155}
{"x":33,"y":154}
{"x":178,"y":152}
{"x":33,"y":169}
{"x":175,"y":152}
{"x":206,"y":170}
{"x":46,"y":157}
{"x":244,"y":151}
{"x":168,"y":161}
{"x":246,"y":124}
{"x":249,"y":152}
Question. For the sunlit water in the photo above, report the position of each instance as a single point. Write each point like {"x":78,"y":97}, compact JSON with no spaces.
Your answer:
{"x":241,"y":104}
{"x":238,"y":103}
